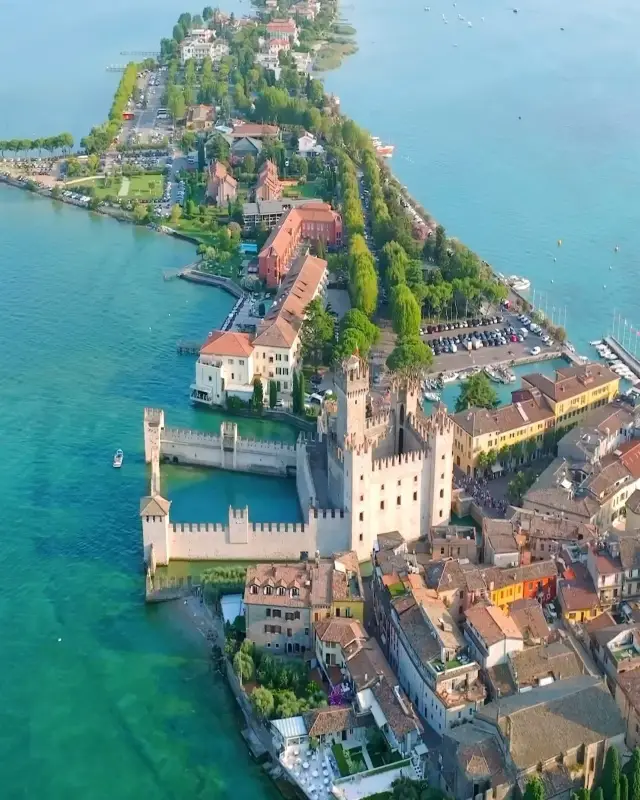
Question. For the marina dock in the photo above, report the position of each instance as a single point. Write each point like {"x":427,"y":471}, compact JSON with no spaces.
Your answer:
{"x":623,"y":354}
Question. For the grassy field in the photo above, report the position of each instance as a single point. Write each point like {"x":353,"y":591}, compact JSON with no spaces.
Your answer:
{"x":138,"y":187}
{"x":312,"y":189}
{"x":194,"y":228}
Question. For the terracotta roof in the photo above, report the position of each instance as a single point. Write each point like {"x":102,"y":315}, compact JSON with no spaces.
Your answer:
{"x":312,"y":582}
{"x":492,"y":624}
{"x":284,"y":319}
{"x":227,"y":343}
{"x":527,"y":615}
{"x":287,"y":25}
{"x":480,"y":421}
{"x":598,"y":623}
{"x":578,"y":593}
{"x":631,"y":457}
{"x":510,"y":576}
{"x":609,"y":476}
{"x":397,"y":709}
{"x":629,"y":544}
{"x":201,"y":113}
{"x":155,"y":506}
{"x":252,"y":130}
{"x":609,"y":418}
{"x":629,"y":682}
{"x":571,"y":381}
{"x":339,"y":630}
{"x":444,"y":575}
{"x":279,"y":240}
{"x":605,"y":563}
{"x":334,"y":719}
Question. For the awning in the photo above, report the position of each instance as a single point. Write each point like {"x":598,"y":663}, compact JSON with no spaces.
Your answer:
{"x":496,"y":468}
{"x":368,"y":702}
{"x":290,"y":727}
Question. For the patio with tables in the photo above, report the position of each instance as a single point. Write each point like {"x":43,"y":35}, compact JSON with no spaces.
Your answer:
{"x":311,"y":769}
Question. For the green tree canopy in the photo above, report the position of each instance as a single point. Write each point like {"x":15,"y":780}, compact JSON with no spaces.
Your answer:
{"x":534,"y":789}
{"x":257,"y":399}
{"x":410,"y":355}
{"x":634,"y":775}
{"x":262,"y":702}
{"x":610,"y":781}
{"x":405,"y":311}
{"x":477,"y":392}
{"x":317,"y":332}
{"x":273,"y":394}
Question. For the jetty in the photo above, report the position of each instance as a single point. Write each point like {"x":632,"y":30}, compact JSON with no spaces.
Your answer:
{"x":198,"y":276}
{"x":623,"y":354}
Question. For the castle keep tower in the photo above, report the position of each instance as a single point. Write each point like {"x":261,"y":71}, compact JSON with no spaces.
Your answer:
{"x":352,"y":389}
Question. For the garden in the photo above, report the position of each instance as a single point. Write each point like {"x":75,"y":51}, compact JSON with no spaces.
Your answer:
{"x":349,"y":762}
{"x":277,"y":688}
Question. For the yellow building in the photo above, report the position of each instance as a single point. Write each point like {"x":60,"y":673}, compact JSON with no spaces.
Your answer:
{"x":577,"y":596}
{"x":574,"y":391}
{"x":541,"y":404}
{"x":508,"y":584}
{"x":478,"y":430}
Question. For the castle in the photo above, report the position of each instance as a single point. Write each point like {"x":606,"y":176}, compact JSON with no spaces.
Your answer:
{"x":359,"y":477}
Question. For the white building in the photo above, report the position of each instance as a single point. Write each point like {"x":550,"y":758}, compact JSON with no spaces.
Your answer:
{"x":230,"y":361}
{"x":199,"y":50}
{"x":308,"y":145}
{"x":429,"y":653}
{"x":492,"y":635}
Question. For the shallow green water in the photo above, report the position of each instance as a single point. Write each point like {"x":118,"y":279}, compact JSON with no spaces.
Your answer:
{"x":123,"y":706}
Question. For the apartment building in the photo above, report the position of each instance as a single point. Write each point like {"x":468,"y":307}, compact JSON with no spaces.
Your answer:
{"x":283,"y":29}
{"x":282,"y":601}
{"x":308,"y":222}
{"x":574,"y":391}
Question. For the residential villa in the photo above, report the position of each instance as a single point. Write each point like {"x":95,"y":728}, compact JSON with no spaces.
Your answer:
{"x":283,"y":29}
{"x":579,"y":601}
{"x":492,"y":635}
{"x":308,"y":222}
{"x":254,"y":130}
{"x":229,"y":361}
{"x":308,"y":145}
{"x":222,"y":187}
{"x":282,"y":601}
{"x":199,"y":49}
{"x":268,"y":186}
{"x":200,"y":118}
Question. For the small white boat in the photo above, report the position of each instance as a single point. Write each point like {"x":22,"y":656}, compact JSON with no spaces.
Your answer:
{"x":518,"y":283}
{"x":432,"y":397}
{"x":596,"y":342}
{"x":449,"y":377}
{"x":118,"y":458}
{"x":493,"y":374}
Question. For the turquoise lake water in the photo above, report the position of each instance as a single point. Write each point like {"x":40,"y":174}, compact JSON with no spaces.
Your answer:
{"x":124,"y":706}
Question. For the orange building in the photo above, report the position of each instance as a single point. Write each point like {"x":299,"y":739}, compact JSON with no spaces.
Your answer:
{"x":310,"y":222}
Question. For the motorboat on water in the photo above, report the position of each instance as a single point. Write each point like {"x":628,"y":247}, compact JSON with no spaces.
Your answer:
{"x":431,"y":396}
{"x":449,"y":377}
{"x":118,"y":458}
{"x":384,"y":150}
{"x":508,"y":376}
{"x":493,"y":374}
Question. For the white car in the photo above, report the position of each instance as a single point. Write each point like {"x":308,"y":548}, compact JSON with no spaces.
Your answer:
{"x":535,"y":351}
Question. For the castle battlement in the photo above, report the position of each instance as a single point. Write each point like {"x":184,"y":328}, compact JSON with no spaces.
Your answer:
{"x":197,"y":527}
{"x":413,"y":457}
{"x":327,"y":513}
{"x":212,"y":439}
{"x":278,"y":527}
{"x":381,"y":418}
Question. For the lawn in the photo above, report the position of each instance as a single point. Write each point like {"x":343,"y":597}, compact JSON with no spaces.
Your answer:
{"x":194,"y":228}
{"x":311,"y":190}
{"x":137,"y":187}
{"x":356,"y":757}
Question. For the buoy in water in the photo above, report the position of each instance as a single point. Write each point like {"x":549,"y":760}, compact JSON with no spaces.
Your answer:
{"x":559,"y":242}
{"x":616,"y":248}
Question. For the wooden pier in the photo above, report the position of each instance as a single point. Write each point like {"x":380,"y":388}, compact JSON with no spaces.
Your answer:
{"x":188,"y":348}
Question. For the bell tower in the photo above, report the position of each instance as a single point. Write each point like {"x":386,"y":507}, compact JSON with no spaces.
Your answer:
{"x":352,"y":389}
{"x":405,"y":399}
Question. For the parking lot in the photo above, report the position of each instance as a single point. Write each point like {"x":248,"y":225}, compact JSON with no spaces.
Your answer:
{"x":498,"y":339}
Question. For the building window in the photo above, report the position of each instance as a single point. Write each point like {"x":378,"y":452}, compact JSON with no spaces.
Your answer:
{"x":268,"y":612}
{"x":241,"y":362}
{"x":399,"y":483}
{"x":398,"y":500}
{"x":295,"y":592}
{"x":361,"y":498}
{"x":289,"y":632}
{"x":415,"y":495}
{"x":277,"y":612}
{"x":268,"y":590}
{"x":361,"y":516}
{"x":252,"y":590}
{"x":306,"y":631}
{"x":382,"y":505}
{"x":441,"y":492}
{"x":280,"y":590}
{"x":360,"y":537}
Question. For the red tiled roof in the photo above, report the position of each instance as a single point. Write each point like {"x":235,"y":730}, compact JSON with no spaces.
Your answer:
{"x":631,"y":458}
{"x":227,"y":343}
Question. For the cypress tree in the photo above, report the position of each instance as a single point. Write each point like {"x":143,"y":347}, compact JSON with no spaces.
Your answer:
{"x":611,"y":775}
{"x":294,"y":394}
{"x":273,"y":394}
{"x":301,"y":393}
{"x":597,"y":794}
{"x":624,"y":787}
{"x":634,"y":775}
